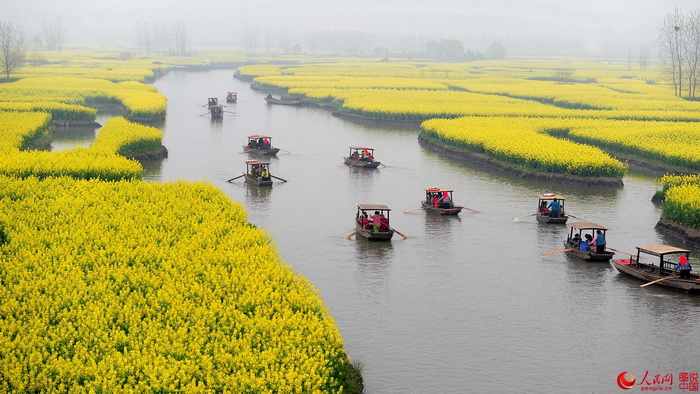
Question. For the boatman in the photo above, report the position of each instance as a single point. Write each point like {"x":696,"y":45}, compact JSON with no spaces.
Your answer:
{"x":376,"y":221}
{"x":445,"y":200}
{"x":599,"y":242}
{"x":554,"y":208}
{"x":683,"y":267}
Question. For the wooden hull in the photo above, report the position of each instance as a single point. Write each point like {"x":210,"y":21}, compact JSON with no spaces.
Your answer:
{"x":266,"y":152}
{"x":591,"y":255}
{"x":544,"y":218}
{"x":650,"y":273}
{"x":230,"y":100}
{"x":361,"y":163}
{"x":455,"y":210}
{"x":254,"y":181}
{"x":370,"y":235}
{"x":282,"y":101}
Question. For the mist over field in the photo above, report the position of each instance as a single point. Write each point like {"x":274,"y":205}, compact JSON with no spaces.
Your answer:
{"x":610,"y":28}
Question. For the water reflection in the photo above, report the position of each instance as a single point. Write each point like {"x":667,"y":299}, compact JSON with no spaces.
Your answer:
{"x":152,"y":169}
{"x":216,"y":124}
{"x":64,"y":138}
{"x":440,"y":226}
{"x":257,"y":198}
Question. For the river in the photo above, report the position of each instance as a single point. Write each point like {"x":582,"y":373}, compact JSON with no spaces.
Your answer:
{"x":465,"y":304}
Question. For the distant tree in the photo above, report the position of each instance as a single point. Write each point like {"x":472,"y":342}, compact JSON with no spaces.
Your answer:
{"x":36,"y":43}
{"x":180,"y":37}
{"x":143,"y":37}
{"x":692,"y":51}
{"x":11,"y":48}
{"x":643,"y":59}
{"x":381,"y":51}
{"x":670,"y":48}
{"x":296,"y":49}
{"x":54,"y":34}
{"x":250,"y":39}
{"x":496,"y":51}
{"x":445,"y":50}
{"x":564,"y":76}
{"x":679,"y":50}
{"x":35,"y":59}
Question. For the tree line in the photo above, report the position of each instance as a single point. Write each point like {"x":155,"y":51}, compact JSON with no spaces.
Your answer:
{"x":679,"y":51}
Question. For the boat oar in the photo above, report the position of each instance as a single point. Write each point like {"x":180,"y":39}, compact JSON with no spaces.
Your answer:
{"x":350,"y":235}
{"x":415,"y":209}
{"x":557,"y":251}
{"x":397,"y":232}
{"x":473,"y":210}
{"x":383,"y":165}
{"x":520,"y":217}
{"x":285,"y":150}
{"x":276,"y":177}
{"x":658,"y":280}
{"x":576,"y":217}
{"x":235,"y":178}
{"x":623,"y":252}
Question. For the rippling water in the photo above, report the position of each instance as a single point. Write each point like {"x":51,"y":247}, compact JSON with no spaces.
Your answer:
{"x":466,"y":304}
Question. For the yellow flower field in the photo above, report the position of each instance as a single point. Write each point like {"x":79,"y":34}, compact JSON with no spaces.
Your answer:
{"x":134,"y":286}
{"x":523,"y":141}
{"x":105,"y":159}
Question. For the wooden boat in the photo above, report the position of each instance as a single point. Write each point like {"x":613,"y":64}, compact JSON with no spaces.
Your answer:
{"x":642,"y":267}
{"x":258,"y":173}
{"x":544,"y":214}
{"x":363,"y":222}
{"x":432,"y":202}
{"x":256,"y":144}
{"x":231,"y":97}
{"x":216,"y":110}
{"x":361,"y":156}
{"x":283,"y":101}
{"x":582,"y":229}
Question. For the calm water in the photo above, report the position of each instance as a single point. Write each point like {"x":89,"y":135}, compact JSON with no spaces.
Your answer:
{"x":466,"y":304}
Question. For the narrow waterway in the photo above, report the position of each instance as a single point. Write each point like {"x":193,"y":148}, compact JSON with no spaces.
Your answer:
{"x":465,"y":304}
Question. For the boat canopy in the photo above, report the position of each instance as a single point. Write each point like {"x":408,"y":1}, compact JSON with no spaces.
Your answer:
{"x":259,"y":136}
{"x":257,"y":162}
{"x":551,"y":196}
{"x":361,"y":147}
{"x":660,"y":250}
{"x":587,"y":226}
{"x":373,"y":207}
{"x":438,"y":189}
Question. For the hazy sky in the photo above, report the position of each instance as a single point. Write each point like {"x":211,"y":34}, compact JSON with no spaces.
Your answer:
{"x":223,"y":21}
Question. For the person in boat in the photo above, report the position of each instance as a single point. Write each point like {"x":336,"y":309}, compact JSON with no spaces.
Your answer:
{"x":542,"y":208}
{"x":683,"y":267}
{"x":364,"y":220}
{"x":554,"y":208}
{"x":365,"y":155}
{"x":269,"y":95}
{"x":576,"y":240}
{"x":266,"y":143}
{"x":599,"y":242}
{"x":376,"y":221}
{"x":586,"y":244}
{"x":445,"y":201}
{"x":355,"y":155}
